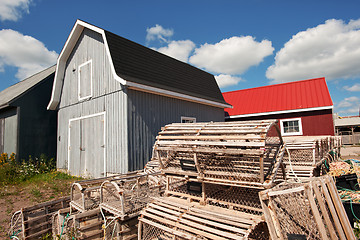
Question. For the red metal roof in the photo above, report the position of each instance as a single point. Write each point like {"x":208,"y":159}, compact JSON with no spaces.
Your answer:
{"x":312,"y":93}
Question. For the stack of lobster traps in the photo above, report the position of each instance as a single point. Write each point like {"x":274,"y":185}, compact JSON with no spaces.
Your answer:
{"x":110,"y":205}
{"x":214,"y":173}
{"x":307,"y":157}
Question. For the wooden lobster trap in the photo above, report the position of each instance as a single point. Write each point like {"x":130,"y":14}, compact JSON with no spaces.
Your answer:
{"x":125,"y":197}
{"x":311,"y":210}
{"x":236,"y":198}
{"x":34,"y":221}
{"x":77,"y":225}
{"x":173,"y":218}
{"x":304,"y":156}
{"x":85,"y":194}
{"x":246,"y":154}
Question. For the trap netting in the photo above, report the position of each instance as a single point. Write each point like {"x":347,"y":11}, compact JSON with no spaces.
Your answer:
{"x":125,"y":197}
{"x":304,"y":156}
{"x":229,"y":197}
{"x":172,"y":218}
{"x":85,"y":194}
{"x":235,"y":153}
{"x":312,"y":210}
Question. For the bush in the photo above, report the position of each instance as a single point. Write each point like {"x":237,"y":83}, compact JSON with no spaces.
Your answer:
{"x":12,"y":172}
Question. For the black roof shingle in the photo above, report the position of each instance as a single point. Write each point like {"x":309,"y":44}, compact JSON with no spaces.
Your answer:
{"x":136,"y":63}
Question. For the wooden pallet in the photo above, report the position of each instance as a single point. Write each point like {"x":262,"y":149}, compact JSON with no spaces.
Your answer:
{"x":173,"y":218}
{"x":36,"y":221}
{"x":312,"y":210}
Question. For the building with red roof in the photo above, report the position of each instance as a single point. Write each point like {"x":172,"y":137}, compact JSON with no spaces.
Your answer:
{"x":303,"y":108}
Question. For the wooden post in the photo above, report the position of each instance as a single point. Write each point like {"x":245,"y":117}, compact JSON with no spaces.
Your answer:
{"x":261,"y":162}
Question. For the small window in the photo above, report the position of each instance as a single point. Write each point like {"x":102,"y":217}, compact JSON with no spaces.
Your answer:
{"x":188,"y":120}
{"x":85,"y":80}
{"x":291,"y":127}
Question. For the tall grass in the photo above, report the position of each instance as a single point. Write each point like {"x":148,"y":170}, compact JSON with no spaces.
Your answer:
{"x":14,"y":172}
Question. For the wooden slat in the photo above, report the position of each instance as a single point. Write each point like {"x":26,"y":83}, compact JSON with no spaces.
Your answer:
{"x":211,"y":143}
{"x":210,"y":150}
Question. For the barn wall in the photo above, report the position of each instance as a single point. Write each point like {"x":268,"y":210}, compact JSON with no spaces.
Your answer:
{"x":149,"y":112}
{"x":90,"y":46}
{"x":108,"y":96}
{"x":114,"y":106}
{"x":37,"y":125}
{"x":314,"y":123}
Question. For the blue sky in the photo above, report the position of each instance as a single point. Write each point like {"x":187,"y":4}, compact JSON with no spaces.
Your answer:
{"x":244,"y":44}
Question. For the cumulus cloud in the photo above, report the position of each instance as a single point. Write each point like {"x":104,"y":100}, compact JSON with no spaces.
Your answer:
{"x":13,"y":9}
{"x":158,"y":33}
{"x":354,"y":88}
{"x":225,"y":80}
{"x":178,"y":49}
{"x":26,"y":53}
{"x":349,"y":105}
{"x":231,"y":56}
{"x":330,"y":50}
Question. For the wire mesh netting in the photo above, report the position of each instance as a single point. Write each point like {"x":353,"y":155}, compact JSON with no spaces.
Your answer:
{"x":312,"y":210}
{"x":169,"y":218}
{"x":128,"y":195}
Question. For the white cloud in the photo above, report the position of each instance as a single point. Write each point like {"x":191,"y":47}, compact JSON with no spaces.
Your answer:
{"x":13,"y":9}
{"x":349,"y":105}
{"x":178,"y":49}
{"x":158,"y":33}
{"x":26,"y":53}
{"x":354,"y":88}
{"x":231,"y":56}
{"x":330,"y":50}
{"x":224,"y":80}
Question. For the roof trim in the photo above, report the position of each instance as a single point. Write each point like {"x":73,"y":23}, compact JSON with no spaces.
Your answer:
{"x":66,"y":51}
{"x":167,"y":93}
{"x":279,"y":112}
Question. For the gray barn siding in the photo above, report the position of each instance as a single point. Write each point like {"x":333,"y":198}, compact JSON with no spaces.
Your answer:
{"x":114,"y":106}
{"x":89,"y":46}
{"x":149,"y":112}
{"x":107,"y":96}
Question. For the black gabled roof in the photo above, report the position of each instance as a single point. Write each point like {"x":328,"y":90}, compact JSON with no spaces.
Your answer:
{"x":136,"y":63}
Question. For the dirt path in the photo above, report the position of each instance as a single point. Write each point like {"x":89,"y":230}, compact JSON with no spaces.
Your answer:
{"x":13,"y":198}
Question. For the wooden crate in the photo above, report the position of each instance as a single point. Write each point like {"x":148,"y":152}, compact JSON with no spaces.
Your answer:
{"x":312,"y":210}
{"x":36,"y":221}
{"x":246,"y":154}
{"x":173,"y":218}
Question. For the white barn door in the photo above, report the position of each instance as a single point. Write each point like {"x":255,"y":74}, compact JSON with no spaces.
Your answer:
{"x":86,"y":156}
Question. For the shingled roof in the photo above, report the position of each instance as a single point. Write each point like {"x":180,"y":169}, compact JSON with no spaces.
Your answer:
{"x":144,"y":69}
{"x":15,"y":91}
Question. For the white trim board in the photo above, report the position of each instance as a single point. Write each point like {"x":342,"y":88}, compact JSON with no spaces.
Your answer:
{"x":80,"y":98}
{"x":66,"y":51}
{"x":280,"y":112}
{"x":69,"y":137}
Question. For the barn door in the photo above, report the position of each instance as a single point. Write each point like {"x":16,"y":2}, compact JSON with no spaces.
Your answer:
{"x":87,"y":146}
